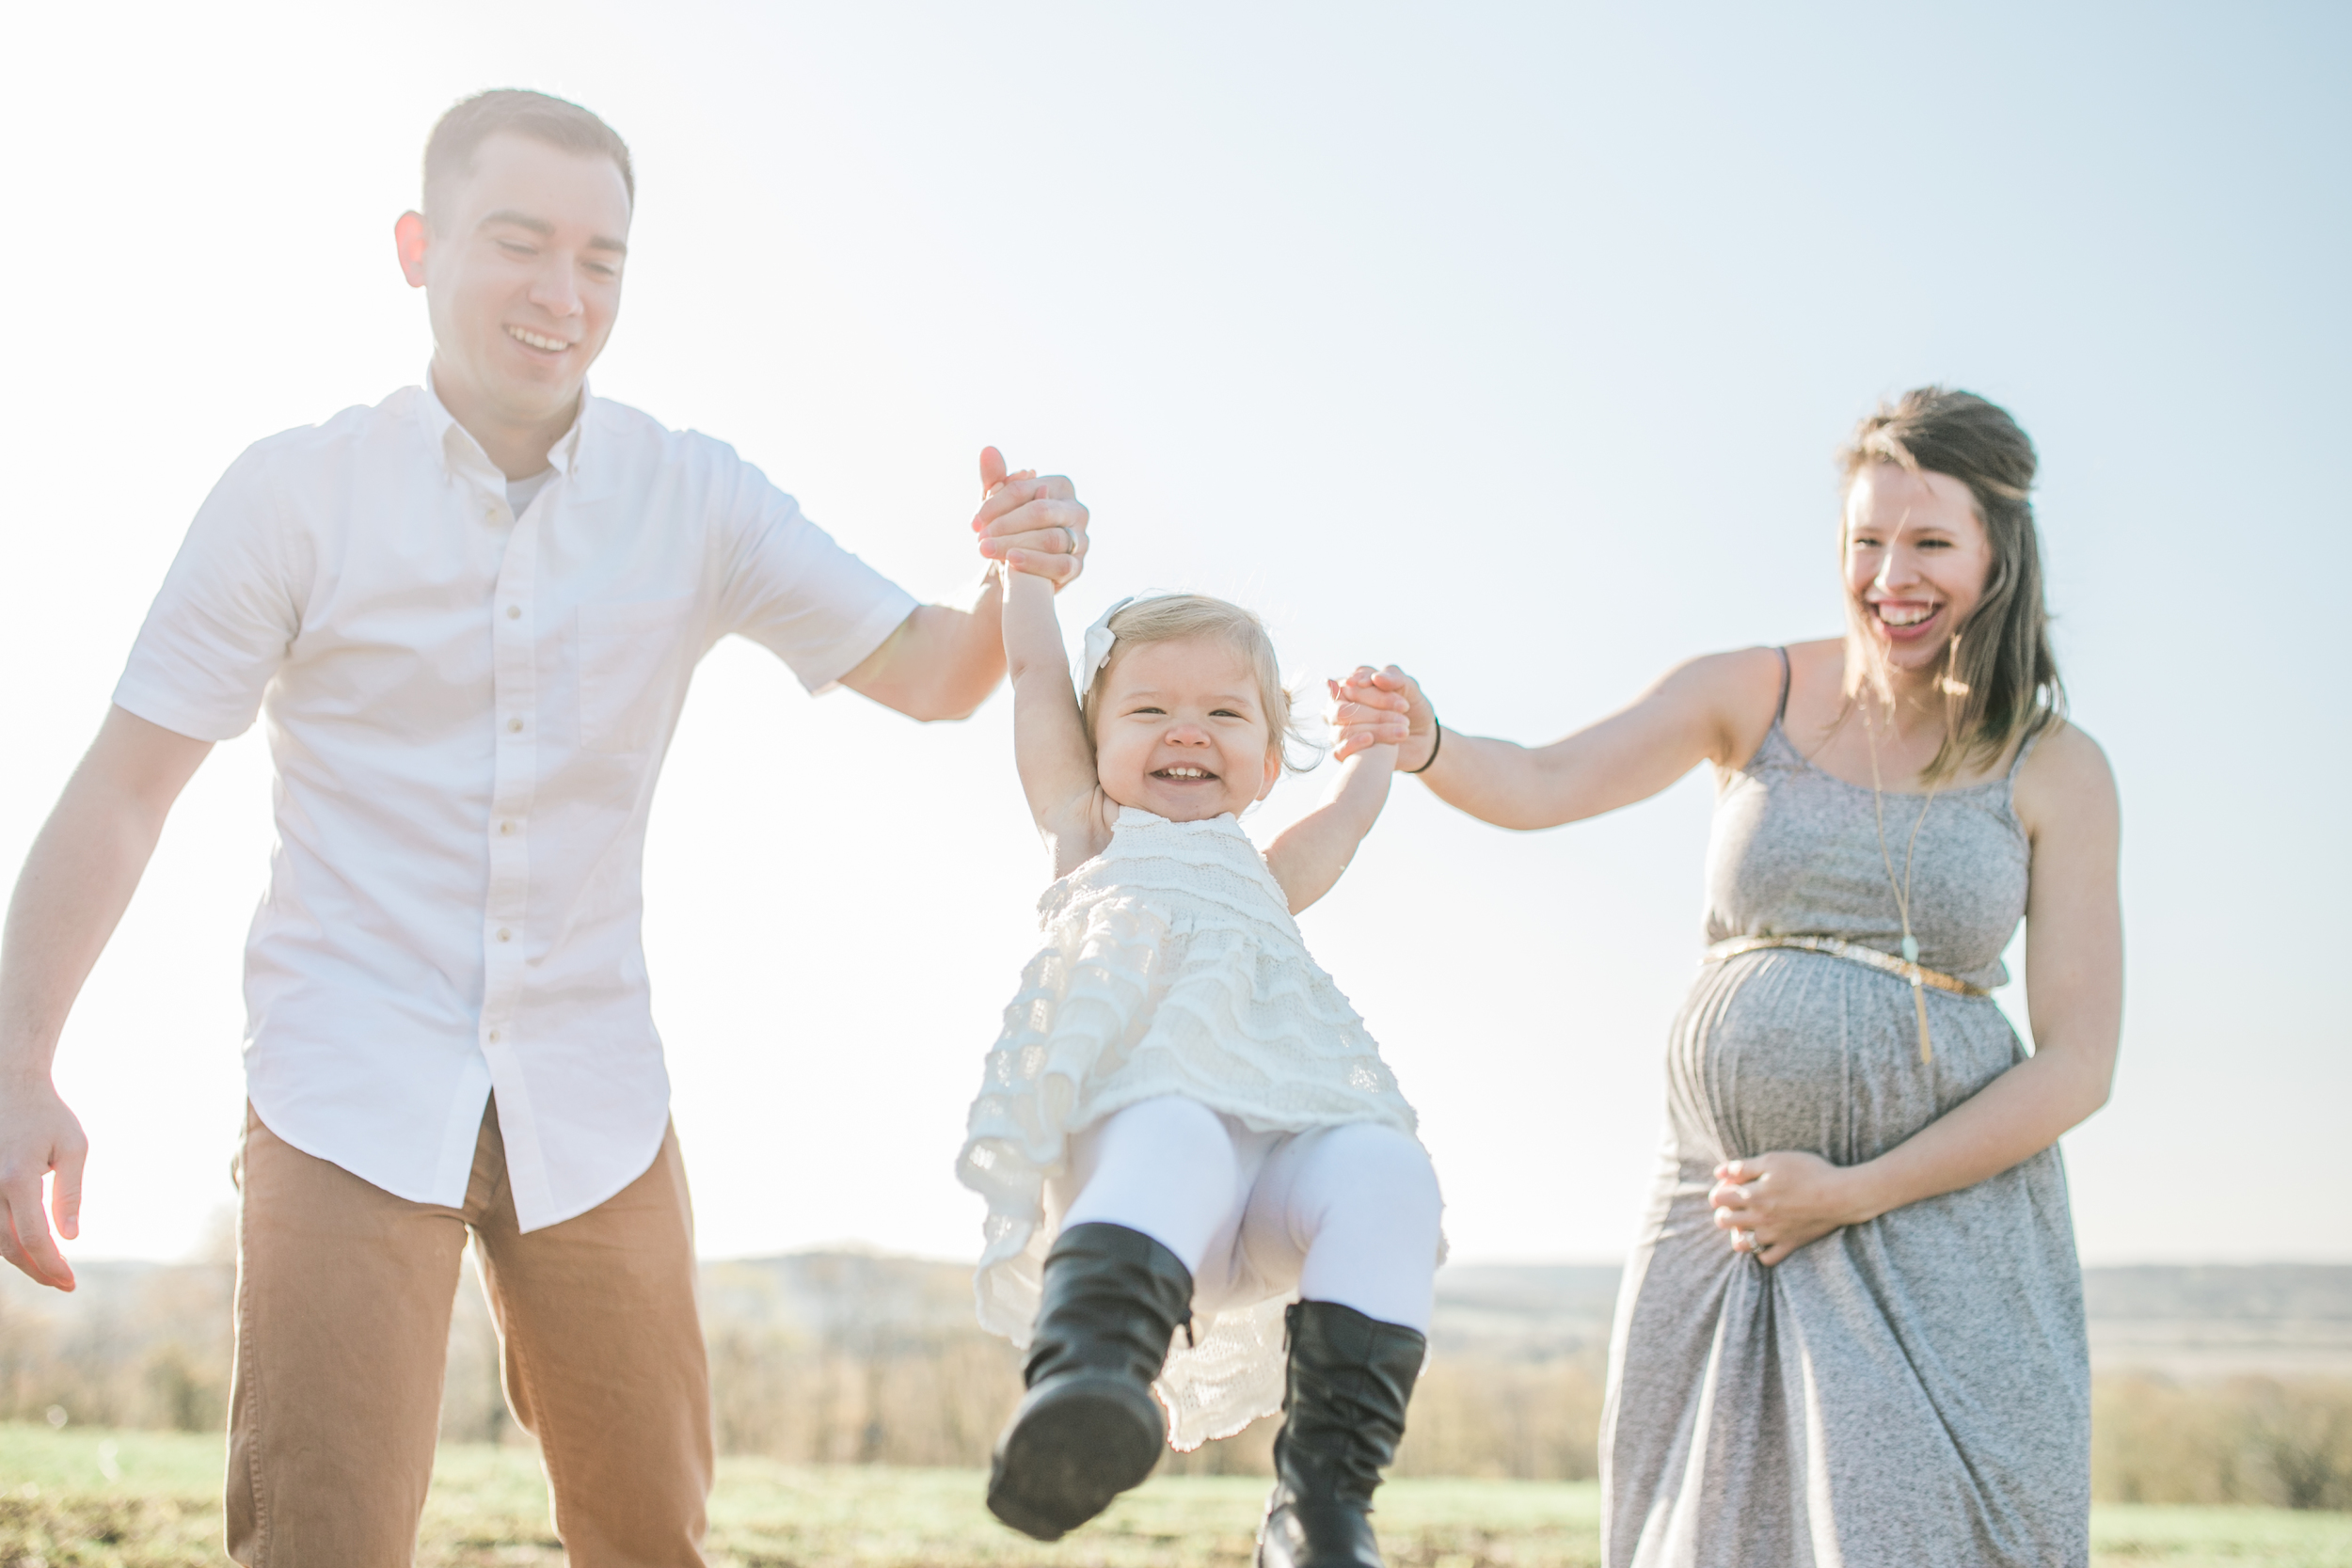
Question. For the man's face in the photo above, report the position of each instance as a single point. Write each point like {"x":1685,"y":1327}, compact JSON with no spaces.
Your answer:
{"x":521,"y":268}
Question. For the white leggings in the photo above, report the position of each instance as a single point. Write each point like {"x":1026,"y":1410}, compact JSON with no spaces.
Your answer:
{"x":1346,"y":1214}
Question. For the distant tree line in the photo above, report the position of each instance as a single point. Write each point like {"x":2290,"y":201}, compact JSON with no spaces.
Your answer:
{"x":896,"y":1373}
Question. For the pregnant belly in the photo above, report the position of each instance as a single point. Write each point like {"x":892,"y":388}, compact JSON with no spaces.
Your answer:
{"x":1791,"y":1049}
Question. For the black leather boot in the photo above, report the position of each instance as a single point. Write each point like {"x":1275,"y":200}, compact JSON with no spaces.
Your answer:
{"x":1350,"y":1377}
{"x":1089,"y":1428}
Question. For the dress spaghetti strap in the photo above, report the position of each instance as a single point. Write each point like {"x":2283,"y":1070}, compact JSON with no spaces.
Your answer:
{"x":2025,"y":749}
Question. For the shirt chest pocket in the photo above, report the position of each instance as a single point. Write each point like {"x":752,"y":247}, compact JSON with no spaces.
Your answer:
{"x":630,"y":656}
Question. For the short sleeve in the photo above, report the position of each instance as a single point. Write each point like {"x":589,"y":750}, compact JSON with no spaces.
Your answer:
{"x":228,"y":610}
{"x":792,"y":589}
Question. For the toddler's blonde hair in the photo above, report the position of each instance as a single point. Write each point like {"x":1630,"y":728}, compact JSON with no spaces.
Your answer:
{"x":1169,"y":618}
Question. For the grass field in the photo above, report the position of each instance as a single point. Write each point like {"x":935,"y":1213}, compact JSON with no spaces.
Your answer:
{"x":83,"y":1499}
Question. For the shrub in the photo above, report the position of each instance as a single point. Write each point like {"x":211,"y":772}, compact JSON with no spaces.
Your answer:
{"x":2259,"y":1440}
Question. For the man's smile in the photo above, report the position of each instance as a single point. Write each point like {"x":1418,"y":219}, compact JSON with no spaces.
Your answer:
{"x":538,"y":340}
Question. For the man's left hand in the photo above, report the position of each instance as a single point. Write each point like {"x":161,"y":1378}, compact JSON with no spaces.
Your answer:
{"x":1041,"y":517}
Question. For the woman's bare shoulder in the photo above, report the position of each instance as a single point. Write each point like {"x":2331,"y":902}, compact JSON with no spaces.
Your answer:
{"x":1735,"y":674}
{"x":1740,"y":692}
{"x":1818,"y":653}
{"x":2065,"y":751}
{"x":2066,"y":779}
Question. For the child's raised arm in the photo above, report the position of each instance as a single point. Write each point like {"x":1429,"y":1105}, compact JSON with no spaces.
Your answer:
{"x":1313,"y":852}
{"x":1049,"y":736}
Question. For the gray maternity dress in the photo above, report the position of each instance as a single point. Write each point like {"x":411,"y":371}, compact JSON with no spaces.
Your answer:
{"x":1908,"y":1393}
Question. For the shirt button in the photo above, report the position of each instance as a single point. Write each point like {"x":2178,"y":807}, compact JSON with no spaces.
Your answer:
{"x":505,"y":935}
{"x":494,"y":1036}
{"x":514,"y":726}
{"x":506,"y":829}
{"x":513,"y":613}
{"x":489,"y":514}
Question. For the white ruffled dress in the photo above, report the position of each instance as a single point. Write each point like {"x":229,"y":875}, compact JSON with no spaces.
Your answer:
{"x":1171,"y":966}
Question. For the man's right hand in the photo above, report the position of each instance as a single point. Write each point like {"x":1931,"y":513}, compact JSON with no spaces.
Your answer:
{"x":38,"y":1135}
{"x":1040,"y":520}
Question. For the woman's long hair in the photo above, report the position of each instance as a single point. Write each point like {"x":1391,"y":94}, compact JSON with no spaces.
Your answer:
{"x":2000,"y":681}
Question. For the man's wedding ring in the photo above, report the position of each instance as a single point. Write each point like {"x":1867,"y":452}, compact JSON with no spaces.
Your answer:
{"x":1072,"y":534}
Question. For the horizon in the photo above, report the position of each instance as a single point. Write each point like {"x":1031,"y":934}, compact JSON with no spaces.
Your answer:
{"x":853,"y":1247}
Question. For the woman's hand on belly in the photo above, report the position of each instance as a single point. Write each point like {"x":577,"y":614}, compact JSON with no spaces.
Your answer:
{"x":1775,"y":1203}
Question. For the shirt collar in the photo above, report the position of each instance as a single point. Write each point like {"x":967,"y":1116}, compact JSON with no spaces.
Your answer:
{"x":460,"y":452}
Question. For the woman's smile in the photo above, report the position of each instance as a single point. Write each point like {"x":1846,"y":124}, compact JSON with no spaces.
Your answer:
{"x":1907,"y":620}
{"x":1916,"y":560}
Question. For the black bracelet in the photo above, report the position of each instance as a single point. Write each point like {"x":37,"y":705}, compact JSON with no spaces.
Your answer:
{"x":1433,"y":747}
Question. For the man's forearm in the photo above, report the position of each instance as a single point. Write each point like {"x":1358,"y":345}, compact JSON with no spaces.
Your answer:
{"x":79,"y":879}
{"x":941,"y":663}
{"x":973,"y":661}
{"x":73,"y":889}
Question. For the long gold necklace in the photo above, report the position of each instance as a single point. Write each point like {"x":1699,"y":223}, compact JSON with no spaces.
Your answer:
{"x":1902,"y":890}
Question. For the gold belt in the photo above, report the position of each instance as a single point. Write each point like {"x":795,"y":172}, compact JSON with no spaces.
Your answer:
{"x":1886,"y":963}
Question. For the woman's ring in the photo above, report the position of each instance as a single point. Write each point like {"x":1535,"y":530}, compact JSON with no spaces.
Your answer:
{"x":1750,"y":1235}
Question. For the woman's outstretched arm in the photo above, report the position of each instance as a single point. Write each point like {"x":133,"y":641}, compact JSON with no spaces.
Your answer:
{"x":2074,"y":993}
{"x":1715,"y":708}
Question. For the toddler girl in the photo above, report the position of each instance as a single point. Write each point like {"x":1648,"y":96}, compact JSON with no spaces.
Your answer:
{"x":1184,"y":1124}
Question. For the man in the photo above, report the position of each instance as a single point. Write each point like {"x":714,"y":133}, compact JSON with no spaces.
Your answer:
{"x":470,"y":613}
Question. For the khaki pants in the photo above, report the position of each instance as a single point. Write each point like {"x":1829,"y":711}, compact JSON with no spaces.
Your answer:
{"x":343,"y":1301}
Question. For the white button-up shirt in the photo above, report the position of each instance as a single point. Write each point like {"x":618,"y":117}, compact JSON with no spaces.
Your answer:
{"x":468,"y":711}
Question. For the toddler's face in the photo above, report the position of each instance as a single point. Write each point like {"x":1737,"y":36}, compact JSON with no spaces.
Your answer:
{"x":1182,"y":732}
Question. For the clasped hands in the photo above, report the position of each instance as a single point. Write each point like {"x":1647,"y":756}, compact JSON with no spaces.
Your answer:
{"x":1381,"y":707}
{"x":1773,"y":1204}
{"x":1028,"y":523}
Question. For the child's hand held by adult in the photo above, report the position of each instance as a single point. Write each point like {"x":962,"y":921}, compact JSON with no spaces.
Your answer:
{"x":1357,"y":723}
{"x":1039,"y":519}
{"x":1393,"y":695}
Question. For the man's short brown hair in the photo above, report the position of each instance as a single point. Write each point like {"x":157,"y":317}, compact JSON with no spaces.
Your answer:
{"x":515,"y":111}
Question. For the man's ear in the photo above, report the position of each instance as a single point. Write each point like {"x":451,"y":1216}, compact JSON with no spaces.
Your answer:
{"x":409,"y":235}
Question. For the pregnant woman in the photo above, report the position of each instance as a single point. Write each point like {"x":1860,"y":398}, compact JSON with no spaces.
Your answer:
{"x":1852,"y":1329}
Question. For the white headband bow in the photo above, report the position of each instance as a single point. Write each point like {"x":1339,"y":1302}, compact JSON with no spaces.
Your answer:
{"x":1095,"y":651}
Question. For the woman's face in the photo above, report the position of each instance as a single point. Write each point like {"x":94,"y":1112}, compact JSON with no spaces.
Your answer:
{"x":1180,"y":732}
{"x":1916,"y":560}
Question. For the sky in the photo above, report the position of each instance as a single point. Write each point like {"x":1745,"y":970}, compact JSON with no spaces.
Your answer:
{"x":1508,"y":343}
